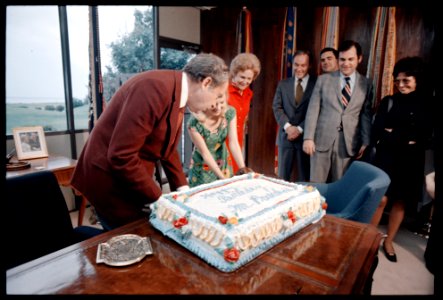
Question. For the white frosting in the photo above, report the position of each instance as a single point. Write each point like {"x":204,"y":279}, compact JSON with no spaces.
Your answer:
{"x":249,"y":213}
{"x":243,"y":198}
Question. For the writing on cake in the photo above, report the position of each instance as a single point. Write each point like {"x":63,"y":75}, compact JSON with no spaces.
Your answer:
{"x":230,"y":222}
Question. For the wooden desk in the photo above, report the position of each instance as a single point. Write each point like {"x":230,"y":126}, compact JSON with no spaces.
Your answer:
{"x":333,"y":256}
{"x":62,"y":167}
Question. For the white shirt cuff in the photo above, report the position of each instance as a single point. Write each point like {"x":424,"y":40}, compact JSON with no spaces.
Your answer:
{"x":300,"y":129}
{"x":287,"y":125}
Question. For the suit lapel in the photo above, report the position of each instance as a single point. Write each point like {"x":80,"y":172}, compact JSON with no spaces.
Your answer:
{"x":308,"y":90}
{"x":357,"y":91}
{"x":291,"y":92}
{"x":336,"y":83}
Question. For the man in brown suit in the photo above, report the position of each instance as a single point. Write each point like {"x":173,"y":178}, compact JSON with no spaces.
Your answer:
{"x":139,"y":127}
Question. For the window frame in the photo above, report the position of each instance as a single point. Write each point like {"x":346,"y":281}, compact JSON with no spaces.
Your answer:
{"x":159,"y":42}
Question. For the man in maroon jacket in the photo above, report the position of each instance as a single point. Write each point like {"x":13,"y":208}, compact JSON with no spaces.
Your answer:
{"x":139,"y":127}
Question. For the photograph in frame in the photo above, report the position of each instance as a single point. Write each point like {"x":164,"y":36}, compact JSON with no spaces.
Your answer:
{"x":30,"y":142}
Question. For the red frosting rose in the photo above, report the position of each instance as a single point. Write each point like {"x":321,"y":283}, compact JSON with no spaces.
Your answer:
{"x":179,"y":223}
{"x":231,"y":255}
{"x":223,"y":219}
{"x":291,"y":216}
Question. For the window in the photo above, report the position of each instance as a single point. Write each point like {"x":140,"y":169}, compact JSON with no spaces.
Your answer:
{"x":78,"y":27}
{"x":174,"y":54}
{"x":35,"y":92}
{"x":34,"y":71}
{"x":126,"y":44}
{"x":40,"y":66}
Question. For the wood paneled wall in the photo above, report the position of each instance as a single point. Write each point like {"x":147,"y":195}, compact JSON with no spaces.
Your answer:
{"x":415,"y":36}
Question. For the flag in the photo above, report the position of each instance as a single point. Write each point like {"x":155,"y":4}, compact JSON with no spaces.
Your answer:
{"x":329,"y":34}
{"x":382,"y":53}
{"x":288,"y":43}
{"x":244,"y":32}
{"x":387,"y":87}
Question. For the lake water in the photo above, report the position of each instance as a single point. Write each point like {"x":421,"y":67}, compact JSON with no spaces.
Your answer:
{"x":34,"y":114}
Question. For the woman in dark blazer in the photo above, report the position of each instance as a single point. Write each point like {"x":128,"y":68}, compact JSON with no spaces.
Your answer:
{"x":401,"y":132}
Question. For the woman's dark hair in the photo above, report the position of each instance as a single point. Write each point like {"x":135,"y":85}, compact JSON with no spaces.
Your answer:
{"x":411,"y":66}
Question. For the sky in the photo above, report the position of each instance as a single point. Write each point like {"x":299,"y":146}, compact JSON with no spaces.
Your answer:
{"x":33,"y":49}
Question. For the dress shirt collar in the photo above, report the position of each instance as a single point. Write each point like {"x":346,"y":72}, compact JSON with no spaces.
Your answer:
{"x":184,"y":94}
{"x":234,"y":89}
{"x":304,"y":81}
{"x":351,"y":80}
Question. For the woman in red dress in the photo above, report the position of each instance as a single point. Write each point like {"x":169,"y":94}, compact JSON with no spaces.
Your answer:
{"x":244,"y":69}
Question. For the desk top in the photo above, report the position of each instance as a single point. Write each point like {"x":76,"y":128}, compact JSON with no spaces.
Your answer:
{"x":332,"y":256}
{"x":51,"y":163}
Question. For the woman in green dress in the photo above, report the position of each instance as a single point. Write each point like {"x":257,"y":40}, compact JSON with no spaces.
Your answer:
{"x":208,"y":132}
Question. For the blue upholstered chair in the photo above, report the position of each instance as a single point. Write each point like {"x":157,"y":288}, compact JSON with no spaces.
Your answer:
{"x":37,"y":219}
{"x":357,"y":194}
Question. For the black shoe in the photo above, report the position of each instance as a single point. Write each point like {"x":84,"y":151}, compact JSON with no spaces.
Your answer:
{"x":390,"y":256}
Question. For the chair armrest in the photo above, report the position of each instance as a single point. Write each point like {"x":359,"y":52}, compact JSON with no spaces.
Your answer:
{"x":321,"y":187}
{"x":84,"y":232}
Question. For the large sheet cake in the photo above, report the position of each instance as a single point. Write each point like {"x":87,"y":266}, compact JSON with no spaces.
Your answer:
{"x":229,"y":222}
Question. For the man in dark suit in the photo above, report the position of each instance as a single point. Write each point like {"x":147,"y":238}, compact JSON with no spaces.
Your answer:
{"x":140,"y":126}
{"x":290,"y":104}
{"x":337,"y":127}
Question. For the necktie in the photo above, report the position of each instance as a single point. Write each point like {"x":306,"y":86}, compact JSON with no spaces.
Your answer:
{"x":346,"y":93}
{"x":298,"y":92}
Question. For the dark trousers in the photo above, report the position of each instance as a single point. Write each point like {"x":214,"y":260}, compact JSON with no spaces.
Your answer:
{"x":293,"y":164}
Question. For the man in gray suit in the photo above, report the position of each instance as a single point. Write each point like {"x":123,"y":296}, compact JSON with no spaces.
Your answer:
{"x":290,"y":104}
{"x":338,"y":125}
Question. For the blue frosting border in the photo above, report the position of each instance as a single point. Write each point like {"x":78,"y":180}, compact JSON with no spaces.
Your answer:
{"x":210,"y":254}
{"x":212,"y":257}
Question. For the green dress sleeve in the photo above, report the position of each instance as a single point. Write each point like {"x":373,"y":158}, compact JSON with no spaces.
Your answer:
{"x":230,"y":113}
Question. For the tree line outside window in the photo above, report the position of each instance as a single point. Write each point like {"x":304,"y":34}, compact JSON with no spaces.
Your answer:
{"x":36,"y":72}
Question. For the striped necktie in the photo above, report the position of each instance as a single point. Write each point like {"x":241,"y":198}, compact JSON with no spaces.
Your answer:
{"x":346,"y":93}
